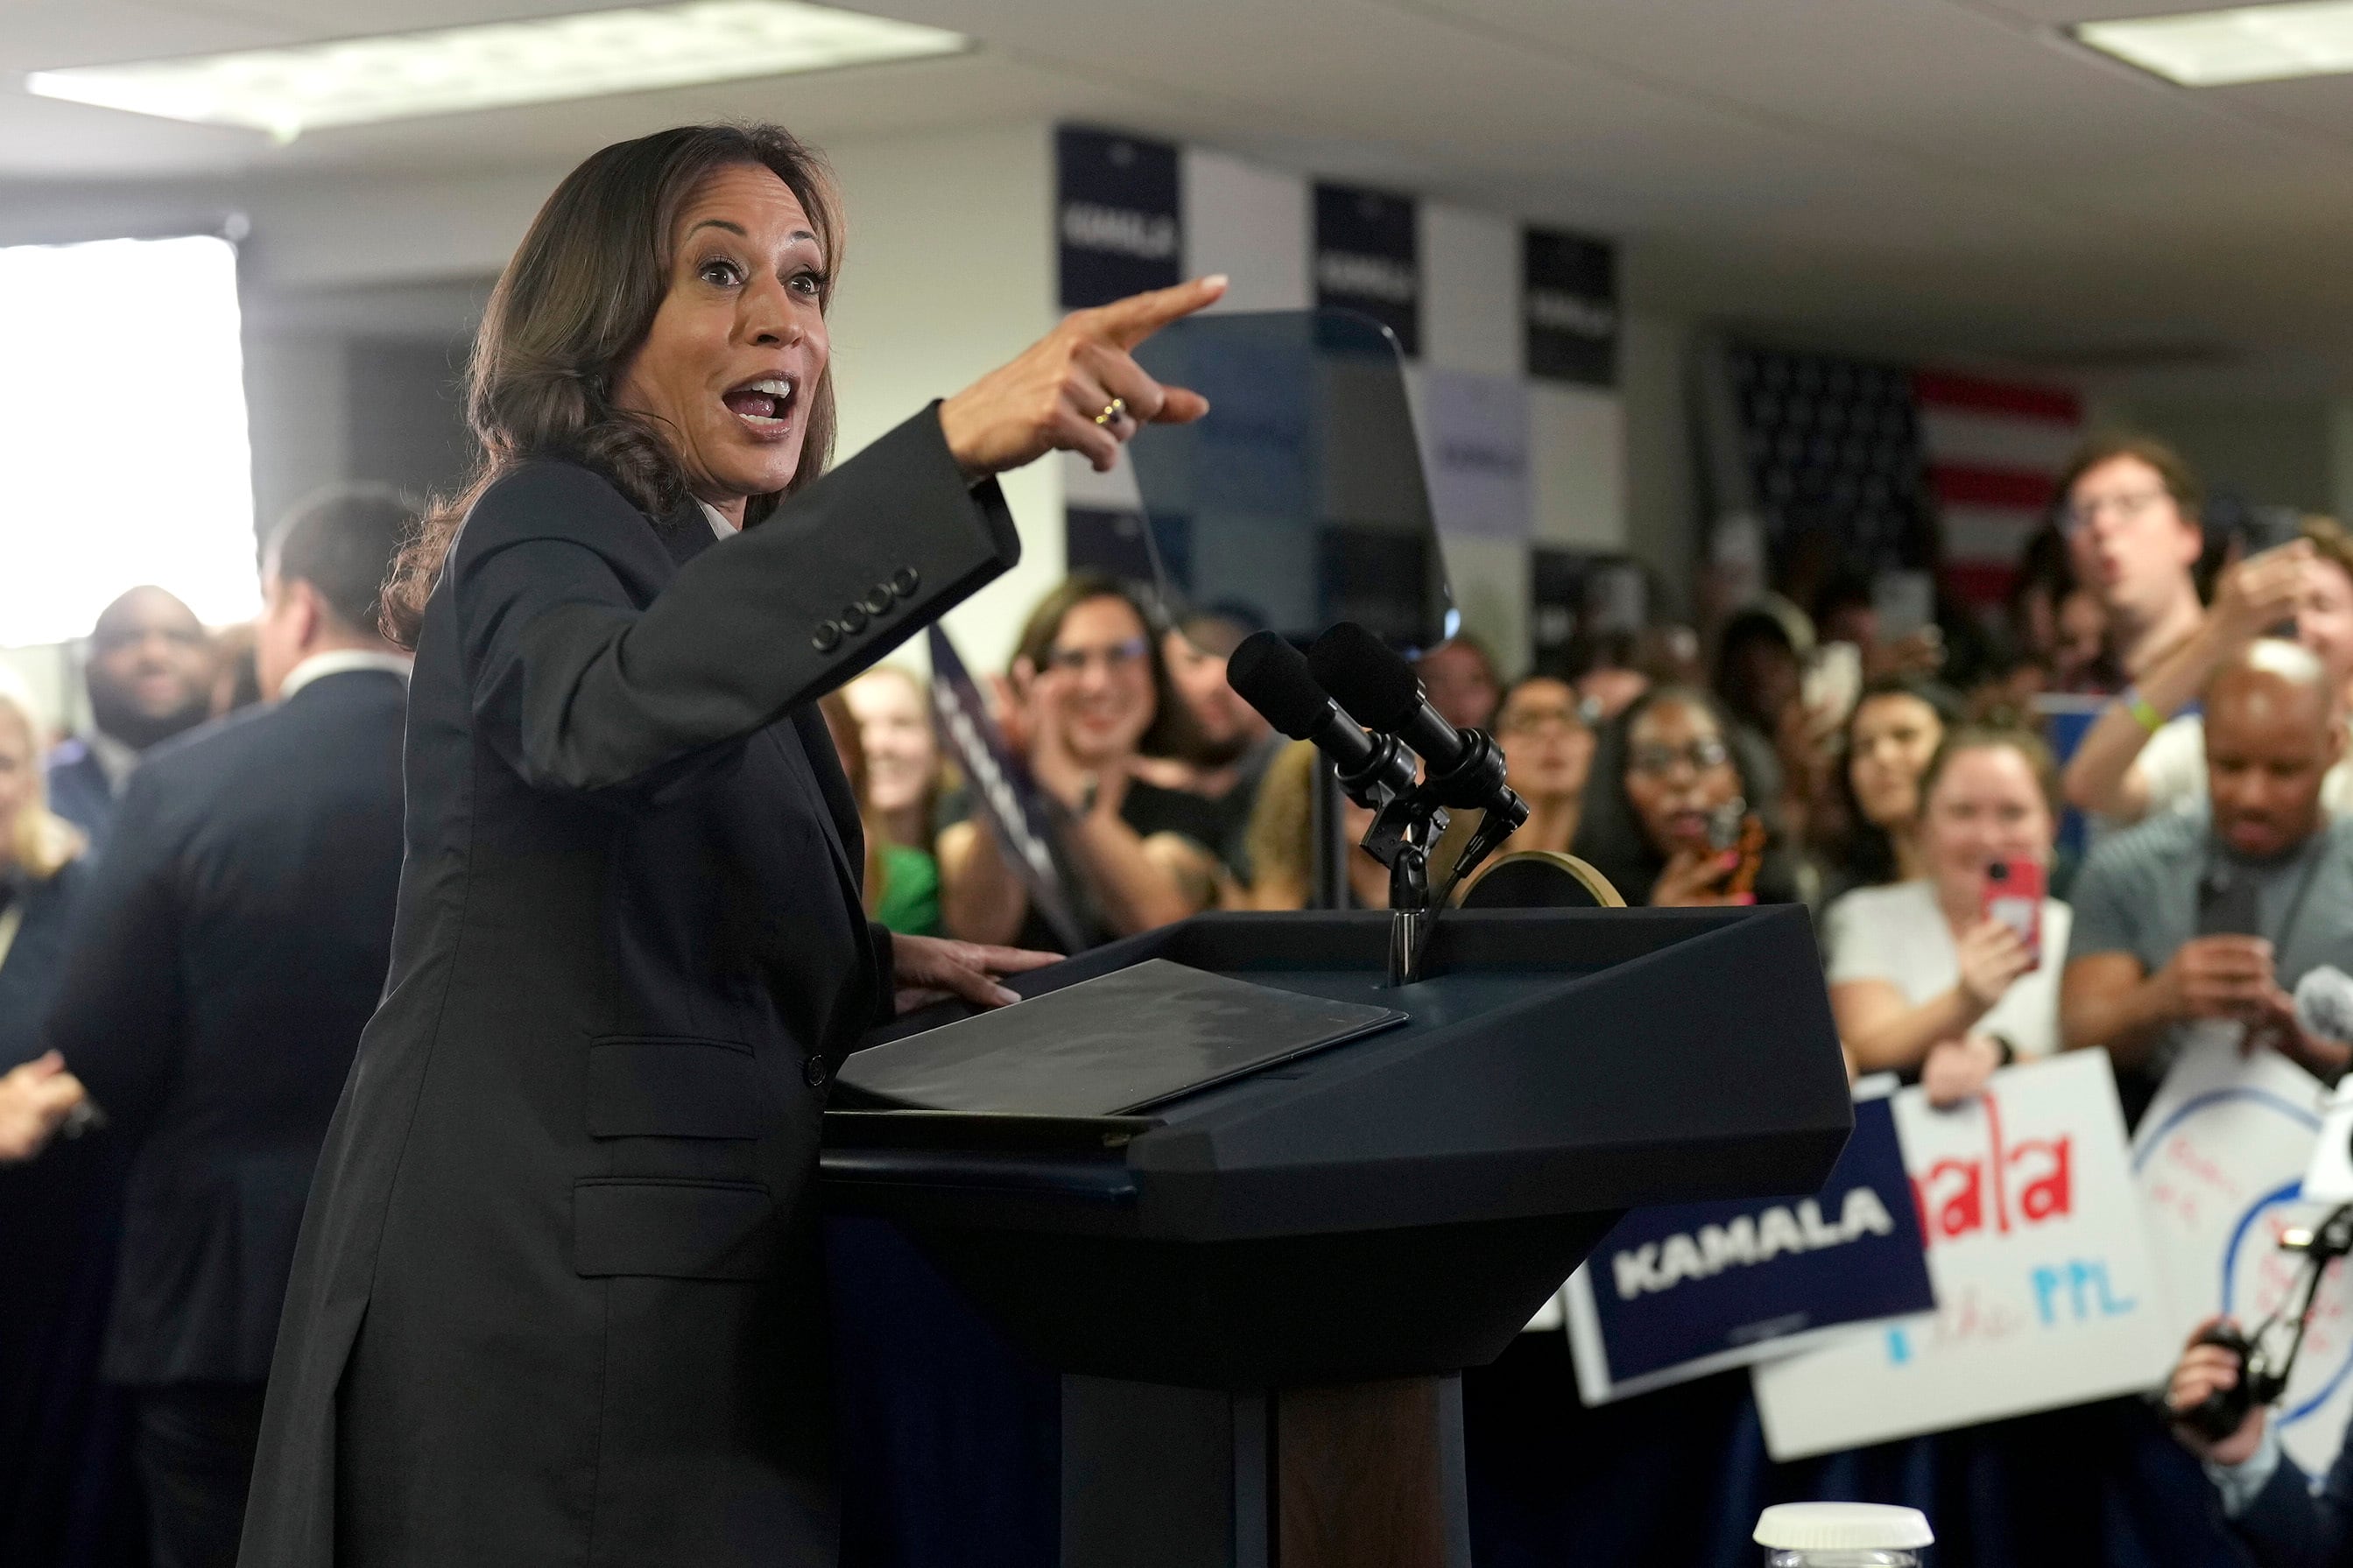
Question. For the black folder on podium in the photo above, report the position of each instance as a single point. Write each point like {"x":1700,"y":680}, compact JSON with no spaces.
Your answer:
{"x":1259,"y":1290}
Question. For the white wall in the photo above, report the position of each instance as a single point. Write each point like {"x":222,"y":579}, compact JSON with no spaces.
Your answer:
{"x":948,"y":273}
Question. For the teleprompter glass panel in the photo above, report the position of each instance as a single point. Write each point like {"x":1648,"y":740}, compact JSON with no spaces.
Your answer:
{"x":1298,"y":499}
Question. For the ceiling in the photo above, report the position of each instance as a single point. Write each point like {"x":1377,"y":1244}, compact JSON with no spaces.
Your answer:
{"x":1935,"y":176}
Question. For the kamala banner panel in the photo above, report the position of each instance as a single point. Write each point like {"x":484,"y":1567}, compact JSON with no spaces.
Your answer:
{"x":1683,"y":1290}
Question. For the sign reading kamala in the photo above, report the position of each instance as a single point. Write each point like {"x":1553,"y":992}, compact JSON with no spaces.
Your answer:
{"x":1679,"y":1291}
{"x":2221,"y":1161}
{"x":1116,"y":216}
{"x":1474,"y":436}
{"x":1569,"y":307}
{"x":1368,"y":259}
{"x":2047,"y":1293}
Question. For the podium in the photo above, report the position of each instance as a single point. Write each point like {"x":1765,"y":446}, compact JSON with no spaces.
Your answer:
{"x":1261,"y":1295}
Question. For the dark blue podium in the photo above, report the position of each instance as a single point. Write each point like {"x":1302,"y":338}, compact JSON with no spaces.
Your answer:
{"x":1259,"y":1295}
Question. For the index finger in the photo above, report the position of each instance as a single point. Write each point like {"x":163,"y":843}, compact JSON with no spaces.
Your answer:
{"x":1129,"y":322}
{"x":1013,"y":960}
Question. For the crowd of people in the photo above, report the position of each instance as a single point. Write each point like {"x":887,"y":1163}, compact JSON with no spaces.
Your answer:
{"x":230,"y":819}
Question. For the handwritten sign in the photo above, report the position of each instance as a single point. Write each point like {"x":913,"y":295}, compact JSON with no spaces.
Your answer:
{"x":1684,"y":1289}
{"x":2047,"y":1292}
{"x":2221,"y":1161}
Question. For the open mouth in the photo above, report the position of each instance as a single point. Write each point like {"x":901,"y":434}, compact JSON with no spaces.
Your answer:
{"x":765,"y":406}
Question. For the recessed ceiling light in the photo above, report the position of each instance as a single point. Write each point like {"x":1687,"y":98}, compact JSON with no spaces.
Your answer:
{"x":2246,"y":43}
{"x":356,"y":81}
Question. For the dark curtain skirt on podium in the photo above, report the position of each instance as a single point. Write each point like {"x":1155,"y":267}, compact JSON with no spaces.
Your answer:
{"x":950,"y":1456}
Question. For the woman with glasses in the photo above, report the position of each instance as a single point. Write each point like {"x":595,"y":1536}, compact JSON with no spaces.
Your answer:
{"x":1673,"y":815}
{"x":1923,"y":977}
{"x":1089,"y":695}
{"x":1547,"y":741}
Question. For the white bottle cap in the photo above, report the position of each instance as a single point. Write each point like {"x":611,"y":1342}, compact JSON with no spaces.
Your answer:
{"x":1842,"y":1527}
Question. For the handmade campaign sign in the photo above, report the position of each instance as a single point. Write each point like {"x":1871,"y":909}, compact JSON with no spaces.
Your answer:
{"x":2221,"y":1161}
{"x":2047,"y":1292}
{"x":1684,"y":1289}
{"x":1003,"y":790}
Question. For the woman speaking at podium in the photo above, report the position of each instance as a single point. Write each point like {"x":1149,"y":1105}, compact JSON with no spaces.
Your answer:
{"x":558,"y":1298}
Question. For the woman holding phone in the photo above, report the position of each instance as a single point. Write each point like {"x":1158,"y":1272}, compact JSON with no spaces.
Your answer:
{"x":559,"y":1294}
{"x":1955,"y":973}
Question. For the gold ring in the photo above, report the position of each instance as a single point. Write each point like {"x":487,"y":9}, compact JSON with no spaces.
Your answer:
{"x":1112,"y":410}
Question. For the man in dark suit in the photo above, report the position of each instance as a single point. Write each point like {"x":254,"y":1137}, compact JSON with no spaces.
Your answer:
{"x":222,"y":965}
{"x":149,"y":678}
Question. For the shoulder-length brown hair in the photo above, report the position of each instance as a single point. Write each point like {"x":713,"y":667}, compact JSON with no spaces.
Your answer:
{"x":1172,"y":733}
{"x":576,"y":301}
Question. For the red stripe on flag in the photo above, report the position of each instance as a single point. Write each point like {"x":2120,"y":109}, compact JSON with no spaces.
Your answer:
{"x":1950,"y":391}
{"x":1979,"y":582}
{"x":1959,"y":485}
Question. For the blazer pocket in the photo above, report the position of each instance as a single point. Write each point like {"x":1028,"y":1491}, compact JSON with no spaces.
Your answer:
{"x":672,"y":1229}
{"x":651,"y":1087}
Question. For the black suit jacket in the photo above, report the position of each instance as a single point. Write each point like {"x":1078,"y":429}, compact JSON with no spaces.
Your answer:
{"x":78,"y":791}
{"x":28,"y":975}
{"x":2288,"y":1525}
{"x":559,"y":1297}
{"x":229,"y":950}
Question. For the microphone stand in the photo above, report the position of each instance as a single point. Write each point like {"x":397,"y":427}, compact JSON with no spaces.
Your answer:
{"x":1409,"y":824}
{"x":2263,"y":1379}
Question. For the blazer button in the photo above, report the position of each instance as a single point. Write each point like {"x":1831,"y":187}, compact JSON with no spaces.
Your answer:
{"x":904,"y":580}
{"x":853,"y":619}
{"x":828,"y":638}
{"x":816,"y":1072}
{"x":878,"y":600}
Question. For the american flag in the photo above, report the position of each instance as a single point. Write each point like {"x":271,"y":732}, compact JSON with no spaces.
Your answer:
{"x":1901,"y":467}
{"x":1994,"y":450}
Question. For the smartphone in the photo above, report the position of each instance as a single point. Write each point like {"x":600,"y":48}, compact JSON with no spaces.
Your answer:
{"x":2013,"y":894}
{"x":2226,"y":905}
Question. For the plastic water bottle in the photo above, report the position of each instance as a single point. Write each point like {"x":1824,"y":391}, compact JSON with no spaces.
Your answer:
{"x":1842,"y":1535}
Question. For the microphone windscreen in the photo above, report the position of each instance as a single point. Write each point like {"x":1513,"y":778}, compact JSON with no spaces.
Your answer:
{"x":1272,"y":676}
{"x":2324,"y":1004}
{"x":1365,"y":677}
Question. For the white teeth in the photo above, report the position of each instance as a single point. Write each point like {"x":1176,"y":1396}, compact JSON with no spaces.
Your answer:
{"x":775,"y":386}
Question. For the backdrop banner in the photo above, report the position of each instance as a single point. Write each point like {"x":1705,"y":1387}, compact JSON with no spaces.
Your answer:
{"x":1569,"y":307}
{"x":1684,"y":1289}
{"x":1119,"y":215}
{"x":2047,"y":1291}
{"x":1474,"y":439}
{"x":1368,"y":259}
{"x":2219,"y":1161}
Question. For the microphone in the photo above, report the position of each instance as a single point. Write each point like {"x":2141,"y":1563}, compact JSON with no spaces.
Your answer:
{"x":1269,"y":675}
{"x":2324,"y":1004}
{"x":1378,"y":688}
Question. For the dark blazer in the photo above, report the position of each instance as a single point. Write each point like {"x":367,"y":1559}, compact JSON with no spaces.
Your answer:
{"x":2287,"y":1525}
{"x":28,"y":975}
{"x":230,"y":951}
{"x":78,"y":791}
{"x":559,"y":1299}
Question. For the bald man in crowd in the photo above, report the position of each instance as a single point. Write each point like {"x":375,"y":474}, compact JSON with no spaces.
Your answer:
{"x":2198,"y":924}
{"x":149,"y":678}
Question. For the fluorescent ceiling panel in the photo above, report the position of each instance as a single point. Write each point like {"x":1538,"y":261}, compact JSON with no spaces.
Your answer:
{"x":119,"y":466}
{"x":497,"y":64}
{"x":2246,"y":43}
